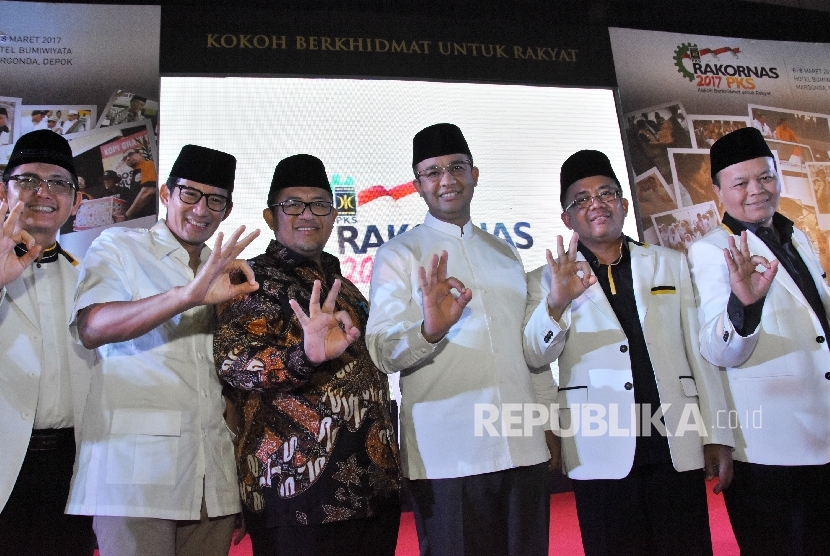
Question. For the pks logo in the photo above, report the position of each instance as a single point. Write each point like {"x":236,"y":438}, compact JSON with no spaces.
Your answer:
{"x":345,"y":198}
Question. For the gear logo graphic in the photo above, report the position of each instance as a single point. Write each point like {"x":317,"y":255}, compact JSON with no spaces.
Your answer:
{"x":680,"y":53}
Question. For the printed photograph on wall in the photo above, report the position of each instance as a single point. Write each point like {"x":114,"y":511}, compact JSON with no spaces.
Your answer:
{"x":794,"y":126}
{"x":117,"y":174}
{"x":9,"y":121}
{"x":124,"y":107}
{"x":708,"y":129}
{"x":654,"y":196}
{"x":691,"y":176}
{"x":652,"y":131}
{"x":679,"y":229}
{"x":63,"y":119}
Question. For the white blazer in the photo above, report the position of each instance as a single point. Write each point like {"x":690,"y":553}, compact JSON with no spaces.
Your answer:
{"x":777,"y":379}
{"x":595,"y":368}
{"x":21,"y":351}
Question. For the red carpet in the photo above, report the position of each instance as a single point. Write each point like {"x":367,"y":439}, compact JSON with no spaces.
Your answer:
{"x":564,"y":529}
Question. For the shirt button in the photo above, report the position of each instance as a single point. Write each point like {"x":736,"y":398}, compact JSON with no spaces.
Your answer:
{"x":820,"y":339}
{"x":24,"y":415}
{"x":628,"y":386}
{"x":827,"y":375}
{"x":623,"y":349}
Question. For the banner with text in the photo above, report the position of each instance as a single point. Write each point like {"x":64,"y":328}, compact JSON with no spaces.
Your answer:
{"x":681,"y":93}
{"x":89,"y":73}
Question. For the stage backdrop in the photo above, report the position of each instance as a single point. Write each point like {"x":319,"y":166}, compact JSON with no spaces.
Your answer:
{"x":680,"y":93}
{"x":353,"y":90}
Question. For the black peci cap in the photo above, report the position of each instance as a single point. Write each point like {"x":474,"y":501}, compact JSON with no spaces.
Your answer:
{"x":204,"y":165}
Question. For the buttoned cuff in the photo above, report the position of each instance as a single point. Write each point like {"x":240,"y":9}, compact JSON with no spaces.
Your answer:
{"x":744,"y":318}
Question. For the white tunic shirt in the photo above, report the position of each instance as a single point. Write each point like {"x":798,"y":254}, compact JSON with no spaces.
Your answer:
{"x":480,"y":360}
{"x":153,"y":429}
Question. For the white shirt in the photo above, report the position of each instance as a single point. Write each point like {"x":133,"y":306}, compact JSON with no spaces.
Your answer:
{"x":153,"y":428}
{"x":54,"y":400}
{"x":763,"y":128}
{"x":28,"y":125}
{"x":45,"y":375}
{"x":479,"y":361}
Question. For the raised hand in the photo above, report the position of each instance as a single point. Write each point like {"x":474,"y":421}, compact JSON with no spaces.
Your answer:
{"x":12,"y":266}
{"x":565,"y":282}
{"x":747,"y":283}
{"x":213,"y":283}
{"x":441,"y":308}
{"x":326,"y":333}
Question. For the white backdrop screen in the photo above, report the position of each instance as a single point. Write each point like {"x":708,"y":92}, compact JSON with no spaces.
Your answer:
{"x":362,"y":130}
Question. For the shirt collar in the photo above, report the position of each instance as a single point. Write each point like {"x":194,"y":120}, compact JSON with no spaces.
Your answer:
{"x":454,"y":230}
{"x":782,"y":224}
{"x":291,"y":259}
{"x":165,"y":243}
{"x":592,"y":259}
{"x":48,"y":255}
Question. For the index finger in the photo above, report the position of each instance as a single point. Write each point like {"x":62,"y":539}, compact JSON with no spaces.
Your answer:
{"x":11,"y":221}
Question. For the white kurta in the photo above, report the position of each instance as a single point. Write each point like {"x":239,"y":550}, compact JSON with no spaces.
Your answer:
{"x":153,"y":427}
{"x":480,"y":360}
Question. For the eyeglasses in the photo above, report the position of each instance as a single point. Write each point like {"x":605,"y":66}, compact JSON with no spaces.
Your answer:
{"x":434,"y":173}
{"x":603,"y":197}
{"x":191,"y":196}
{"x":296,"y":208}
{"x":33,"y":183}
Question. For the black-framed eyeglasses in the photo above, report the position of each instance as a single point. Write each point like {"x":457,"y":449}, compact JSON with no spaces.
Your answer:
{"x":456,"y":169}
{"x":33,"y":183}
{"x":296,"y":208}
{"x":191,"y":196}
{"x":603,"y":197}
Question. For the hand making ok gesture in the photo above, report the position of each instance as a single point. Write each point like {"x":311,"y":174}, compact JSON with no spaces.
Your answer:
{"x":441,"y":308}
{"x":566,"y":284}
{"x":326,"y":332}
{"x":747,"y":283}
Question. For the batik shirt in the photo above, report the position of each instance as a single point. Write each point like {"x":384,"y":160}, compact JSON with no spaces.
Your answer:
{"x":316,"y":443}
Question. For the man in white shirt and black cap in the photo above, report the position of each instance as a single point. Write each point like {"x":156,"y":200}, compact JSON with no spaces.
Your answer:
{"x":763,"y":314}
{"x":156,"y":465}
{"x":45,"y":375}
{"x":474,"y":493}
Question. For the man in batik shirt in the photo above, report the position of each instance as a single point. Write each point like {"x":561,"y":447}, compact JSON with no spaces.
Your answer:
{"x":317,"y":455}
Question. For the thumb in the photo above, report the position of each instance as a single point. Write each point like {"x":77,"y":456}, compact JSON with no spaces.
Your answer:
{"x":30,"y":256}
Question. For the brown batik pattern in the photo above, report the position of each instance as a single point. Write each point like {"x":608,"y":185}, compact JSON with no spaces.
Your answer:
{"x":316,"y":442}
